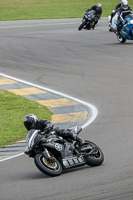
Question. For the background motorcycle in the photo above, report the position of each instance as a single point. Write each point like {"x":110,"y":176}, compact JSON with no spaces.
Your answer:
{"x":52,"y":154}
{"x":126,"y":32}
{"x":88,"y":20}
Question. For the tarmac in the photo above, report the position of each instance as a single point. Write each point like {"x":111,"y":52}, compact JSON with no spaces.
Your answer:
{"x":67,"y":113}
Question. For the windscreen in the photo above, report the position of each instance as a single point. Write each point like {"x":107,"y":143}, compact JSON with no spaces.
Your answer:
{"x":92,"y":12}
{"x":130,"y":16}
{"x":29,"y":134}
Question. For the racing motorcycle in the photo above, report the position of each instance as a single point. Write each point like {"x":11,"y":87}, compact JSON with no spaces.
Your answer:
{"x":88,"y":20}
{"x":126,"y":32}
{"x":52,"y":154}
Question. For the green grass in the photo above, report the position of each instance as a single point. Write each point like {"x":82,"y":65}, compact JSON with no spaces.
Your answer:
{"x":13,"y":108}
{"x":44,"y":9}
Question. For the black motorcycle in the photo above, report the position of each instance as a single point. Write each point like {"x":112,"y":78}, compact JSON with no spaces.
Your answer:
{"x":52,"y":154}
{"x":88,"y":20}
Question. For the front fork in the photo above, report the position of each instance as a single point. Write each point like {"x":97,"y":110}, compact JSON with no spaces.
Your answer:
{"x":46,"y":155}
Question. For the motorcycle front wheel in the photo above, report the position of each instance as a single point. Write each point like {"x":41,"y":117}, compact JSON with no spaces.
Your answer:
{"x":121,"y":39}
{"x":95,"y":157}
{"x":81,"y":26}
{"x":50,"y":168}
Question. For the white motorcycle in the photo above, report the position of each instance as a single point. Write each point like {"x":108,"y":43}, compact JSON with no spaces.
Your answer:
{"x":112,"y":26}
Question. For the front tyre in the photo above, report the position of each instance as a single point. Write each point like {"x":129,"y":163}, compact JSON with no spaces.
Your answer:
{"x":46,"y":167}
{"x":81,"y":26}
{"x":96,"y":156}
{"x":121,"y":39}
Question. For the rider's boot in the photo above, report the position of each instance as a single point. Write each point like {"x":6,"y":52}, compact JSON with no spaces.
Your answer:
{"x":74,"y":136}
{"x":93,"y":26}
{"x":119,"y":27}
{"x":118,"y":30}
{"x":80,"y":141}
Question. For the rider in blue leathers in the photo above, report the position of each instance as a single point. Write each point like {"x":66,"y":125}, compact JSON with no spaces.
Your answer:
{"x":114,"y":12}
{"x":123,"y":11}
{"x":118,"y":8}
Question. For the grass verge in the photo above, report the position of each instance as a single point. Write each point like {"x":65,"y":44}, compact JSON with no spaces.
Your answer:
{"x":13,"y":108}
{"x":44,"y":9}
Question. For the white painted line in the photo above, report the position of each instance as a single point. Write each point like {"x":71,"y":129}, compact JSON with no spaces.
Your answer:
{"x":39,"y":25}
{"x":8,"y":158}
{"x":90,"y":106}
{"x":94,"y":111}
{"x":78,"y":21}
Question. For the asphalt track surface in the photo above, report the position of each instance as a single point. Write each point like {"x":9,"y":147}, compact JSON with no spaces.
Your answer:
{"x":89,"y":65}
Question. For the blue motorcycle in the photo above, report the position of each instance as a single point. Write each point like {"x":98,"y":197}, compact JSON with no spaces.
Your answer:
{"x":126,"y":32}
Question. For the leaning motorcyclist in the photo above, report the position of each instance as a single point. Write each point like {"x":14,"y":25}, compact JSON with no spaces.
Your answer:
{"x":31,"y":122}
{"x":98,"y":9}
{"x":123,"y":11}
{"x":114,"y":12}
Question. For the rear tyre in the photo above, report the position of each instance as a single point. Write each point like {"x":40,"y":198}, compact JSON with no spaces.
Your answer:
{"x":46,"y":167}
{"x":96,"y":157}
{"x":81,"y":26}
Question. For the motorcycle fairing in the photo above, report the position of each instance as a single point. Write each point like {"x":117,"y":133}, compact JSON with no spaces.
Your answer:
{"x":73,"y":161}
{"x":127,"y":28}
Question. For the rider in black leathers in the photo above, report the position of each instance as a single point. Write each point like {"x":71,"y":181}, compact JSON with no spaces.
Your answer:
{"x":31,"y":122}
{"x":114,"y":12}
{"x":98,"y":9}
{"x":123,"y":11}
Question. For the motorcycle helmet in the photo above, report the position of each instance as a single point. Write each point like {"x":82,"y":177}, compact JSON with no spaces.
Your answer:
{"x":99,"y":6}
{"x":30,"y":121}
{"x":124,"y":4}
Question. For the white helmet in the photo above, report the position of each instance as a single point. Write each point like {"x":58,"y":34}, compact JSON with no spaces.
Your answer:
{"x":99,"y":6}
{"x":124,"y":4}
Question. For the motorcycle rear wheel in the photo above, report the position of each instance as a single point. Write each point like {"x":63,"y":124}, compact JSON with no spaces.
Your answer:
{"x":51,"y":169}
{"x":96,"y":158}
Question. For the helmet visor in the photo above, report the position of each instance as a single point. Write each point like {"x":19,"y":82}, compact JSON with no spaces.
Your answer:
{"x":125,"y":6}
{"x":27,"y":125}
